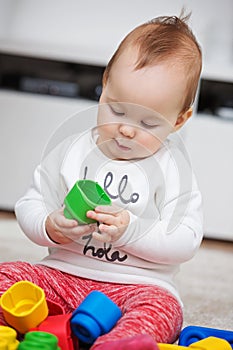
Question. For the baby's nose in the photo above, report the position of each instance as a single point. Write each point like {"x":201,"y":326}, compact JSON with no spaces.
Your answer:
{"x":127,"y":130}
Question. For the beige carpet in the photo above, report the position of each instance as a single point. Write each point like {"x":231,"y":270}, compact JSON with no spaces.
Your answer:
{"x":206,"y":286}
{"x":205,"y":282}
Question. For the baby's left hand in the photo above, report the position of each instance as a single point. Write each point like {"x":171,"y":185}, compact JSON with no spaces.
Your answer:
{"x":113,"y":222}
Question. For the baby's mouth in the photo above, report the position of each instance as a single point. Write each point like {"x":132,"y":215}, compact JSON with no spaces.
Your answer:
{"x":121,"y":146}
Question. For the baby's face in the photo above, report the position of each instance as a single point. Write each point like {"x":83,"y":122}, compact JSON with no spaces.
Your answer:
{"x":139,"y":108}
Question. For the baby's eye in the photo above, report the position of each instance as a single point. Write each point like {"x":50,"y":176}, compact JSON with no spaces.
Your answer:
{"x":148,"y":125}
{"x":117,"y":112}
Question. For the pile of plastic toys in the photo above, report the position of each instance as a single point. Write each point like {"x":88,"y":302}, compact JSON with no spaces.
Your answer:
{"x":33,"y":326}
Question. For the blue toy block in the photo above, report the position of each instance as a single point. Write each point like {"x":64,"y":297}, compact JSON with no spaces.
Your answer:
{"x":96,"y":315}
{"x":192,"y":334}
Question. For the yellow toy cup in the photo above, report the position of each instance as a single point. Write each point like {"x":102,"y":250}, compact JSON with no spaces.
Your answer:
{"x":24,"y":306}
{"x":84,"y":195}
{"x":8,"y":339}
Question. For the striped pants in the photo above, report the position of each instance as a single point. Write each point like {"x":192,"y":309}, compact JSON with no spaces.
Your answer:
{"x":146,"y":309}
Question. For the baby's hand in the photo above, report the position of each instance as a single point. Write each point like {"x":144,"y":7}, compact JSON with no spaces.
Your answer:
{"x":113,"y":222}
{"x":62,"y":230}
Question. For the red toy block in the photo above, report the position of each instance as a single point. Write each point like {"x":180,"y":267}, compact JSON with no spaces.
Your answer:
{"x":59,"y":325}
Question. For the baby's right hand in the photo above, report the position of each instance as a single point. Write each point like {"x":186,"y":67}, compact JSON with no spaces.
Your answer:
{"x":62,"y":230}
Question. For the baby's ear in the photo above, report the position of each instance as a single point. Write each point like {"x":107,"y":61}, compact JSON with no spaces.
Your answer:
{"x":181,"y":120}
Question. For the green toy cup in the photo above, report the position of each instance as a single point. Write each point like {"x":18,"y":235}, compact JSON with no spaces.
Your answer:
{"x":84,"y":195}
{"x":37,"y":340}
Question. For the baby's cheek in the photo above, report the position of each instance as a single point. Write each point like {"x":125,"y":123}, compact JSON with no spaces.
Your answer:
{"x":150,"y":143}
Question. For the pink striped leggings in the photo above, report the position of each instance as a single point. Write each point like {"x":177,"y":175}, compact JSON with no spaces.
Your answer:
{"x":146,"y":309}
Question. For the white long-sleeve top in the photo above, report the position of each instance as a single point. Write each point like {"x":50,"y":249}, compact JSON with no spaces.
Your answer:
{"x":160,"y":193}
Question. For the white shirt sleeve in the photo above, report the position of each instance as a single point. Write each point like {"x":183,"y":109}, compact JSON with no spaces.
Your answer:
{"x":45,"y":194}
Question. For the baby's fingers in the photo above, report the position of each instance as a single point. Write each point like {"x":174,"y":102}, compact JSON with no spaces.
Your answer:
{"x":108,"y":219}
{"x":102,"y":237}
{"x":63,"y":222}
{"x":106,"y":233}
{"x":108,"y":209}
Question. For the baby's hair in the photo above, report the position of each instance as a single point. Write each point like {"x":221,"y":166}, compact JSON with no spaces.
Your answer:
{"x":169,"y":40}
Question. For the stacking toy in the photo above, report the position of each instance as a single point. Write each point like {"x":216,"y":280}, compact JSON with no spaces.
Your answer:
{"x":8,"y":339}
{"x":84,"y":195}
{"x":24,"y":306}
{"x":210,"y":343}
{"x":59,"y":325}
{"x":31,"y":345}
{"x":96,"y":315}
{"x":192,"y":334}
{"x":39,"y":341}
{"x":54,"y":308}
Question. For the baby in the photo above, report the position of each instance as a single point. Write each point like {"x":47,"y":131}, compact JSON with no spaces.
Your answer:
{"x":155,"y":221}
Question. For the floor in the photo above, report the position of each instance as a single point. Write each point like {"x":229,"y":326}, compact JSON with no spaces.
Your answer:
{"x":205,"y":282}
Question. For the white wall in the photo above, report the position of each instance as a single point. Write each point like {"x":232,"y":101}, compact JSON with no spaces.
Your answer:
{"x":90,"y":30}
